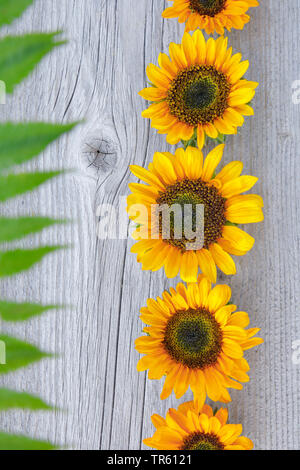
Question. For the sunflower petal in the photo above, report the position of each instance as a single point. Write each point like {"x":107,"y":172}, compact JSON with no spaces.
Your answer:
{"x":222,"y":259}
{"x":238,"y":185}
{"x":218,"y":297}
{"x":212,"y":161}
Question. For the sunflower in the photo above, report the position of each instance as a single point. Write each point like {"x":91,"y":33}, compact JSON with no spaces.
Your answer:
{"x":211,"y":15}
{"x":196,"y":340}
{"x":185,"y":180}
{"x":188,"y":429}
{"x":198,"y":91}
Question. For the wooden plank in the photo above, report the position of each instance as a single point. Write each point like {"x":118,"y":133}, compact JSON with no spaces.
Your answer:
{"x":97,"y":77}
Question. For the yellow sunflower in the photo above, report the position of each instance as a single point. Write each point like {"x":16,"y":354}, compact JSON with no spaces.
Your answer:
{"x":196,"y":340}
{"x":199,"y":90}
{"x":185,"y":180}
{"x":211,"y":15}
{"x":188,"y":429}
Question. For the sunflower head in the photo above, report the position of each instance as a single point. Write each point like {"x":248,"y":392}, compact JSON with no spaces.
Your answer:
{"x":198,"y":90}
{"x":195,"y":339}
{"x":187,"y":428}
{"x":211,"y":15}
{"x":185,"y":180}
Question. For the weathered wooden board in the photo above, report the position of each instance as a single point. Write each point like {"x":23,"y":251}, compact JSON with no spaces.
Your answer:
{"x":97,"y":77}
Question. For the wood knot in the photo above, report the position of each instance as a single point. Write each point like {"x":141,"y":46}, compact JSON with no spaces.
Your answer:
{"x":101,"y":151}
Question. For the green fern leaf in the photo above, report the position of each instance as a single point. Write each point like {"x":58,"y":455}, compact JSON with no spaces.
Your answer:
{"x":19,"y":354}
{"x":13,"y":185}
{"x":19,"y":55}
{"x":11,"y":9}
{"x":16,"y":228}
{"x":14,"y":261}
{"x":14,"y":312}
{"x":10,"y":399}
{"x":15,"y":442}
{"x":21,"y":142}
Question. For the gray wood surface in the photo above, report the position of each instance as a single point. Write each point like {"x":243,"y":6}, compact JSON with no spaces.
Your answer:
{"x":106,"y":403}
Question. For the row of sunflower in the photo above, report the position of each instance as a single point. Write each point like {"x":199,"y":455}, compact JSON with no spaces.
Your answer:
{"x":195,"y":336}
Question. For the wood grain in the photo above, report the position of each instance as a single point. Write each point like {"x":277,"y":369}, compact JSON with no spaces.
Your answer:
{"x":97,"y":77}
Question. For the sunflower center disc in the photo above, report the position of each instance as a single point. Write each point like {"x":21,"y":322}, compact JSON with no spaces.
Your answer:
{"x":194,"y":192}
{"x":207,"y":7}
{"x":202,"y":441}
{"x":193,"y":338}
{"x":198,"y":95}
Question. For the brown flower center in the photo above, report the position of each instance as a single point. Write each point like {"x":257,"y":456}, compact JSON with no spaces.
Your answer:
{"x":194,"y":338}
{"x":194,"y":192}
{"x":207,"y":7}
{"x":198,"y":95}
{"x":202,"y":441}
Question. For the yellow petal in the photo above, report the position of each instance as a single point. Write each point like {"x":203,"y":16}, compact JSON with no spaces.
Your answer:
{"x":233,"y":332}
{"x":154,"y":259}
{"x":207,"y":264}
{"x":194,"y":162}
{"x":189,"y":49}
{"x":172,"y":262}
{"x":238,"y":238}
{"x":239,"y":319}
{"x":189,"y":267}
{"x":200,"y":136}
{"x":222,"y":259}
{"x":157,"y":77}
{"x":218,"y":297}
{"x":230,"y":432}
{"x":238,"y":185}
{"x":222,"y":415}
{"x":244,"y":212}
{"x":153,"y":94}
{"x":204,"y":290}
{"x":246,"y":443}
{"x":230,"y":247}
{"x":204,"y":422}
{"x":230,"y":171}
{"x":210,"y":51}
{"x":239,"y":71}
{"x":232,"y":349}
{"x":177,"y":55}
{"x":200,"y":44}
{"x":158,"y":421}
{"x":223,"y":314}
{"x":146,"y":176}
{"x":210,"y":130}
{"x":242,"y":96}
{"x":164,"y":168}
{"x":212,"y":161}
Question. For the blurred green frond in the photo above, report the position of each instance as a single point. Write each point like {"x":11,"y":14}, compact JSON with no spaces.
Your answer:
{"x":20,"y":54}
{"x":13,"y":185}
{"x":21,"y":142}
{"x":14,"y":312}
{"x":16,"y":228}
{"x":14,"y":261}
{"x":11,"y":9}
{"x":10,"y":399}
{"x":15,"y":442}
{"x":19,"y":354}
